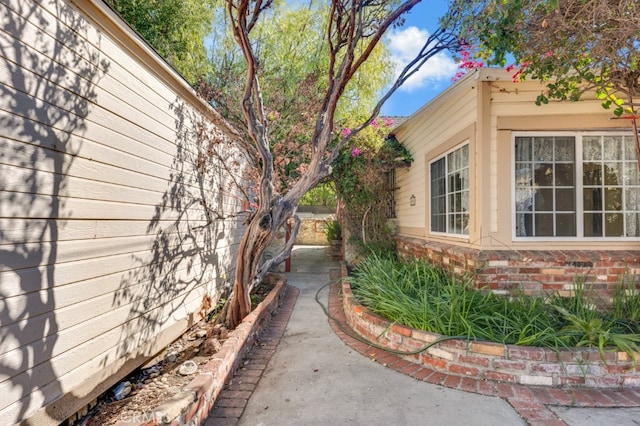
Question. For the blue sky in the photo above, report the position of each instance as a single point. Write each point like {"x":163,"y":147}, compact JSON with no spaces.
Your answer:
{"x":404,"y":42}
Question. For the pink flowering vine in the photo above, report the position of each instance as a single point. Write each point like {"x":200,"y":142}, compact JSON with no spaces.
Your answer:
{"x":388,"y":121}
{"x":374,"y":123}
{"x":467,"y":63}
{"x":355,"y":152}
{"x":521,"y":70}
{"x":345,"y":132}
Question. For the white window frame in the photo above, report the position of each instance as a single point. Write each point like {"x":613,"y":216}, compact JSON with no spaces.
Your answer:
{"x":578,"y":185}
{"x":434,"y":160}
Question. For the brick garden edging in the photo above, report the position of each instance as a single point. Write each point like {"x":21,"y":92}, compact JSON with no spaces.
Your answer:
{"x":580,"y":367}
{"x":192,"y":405}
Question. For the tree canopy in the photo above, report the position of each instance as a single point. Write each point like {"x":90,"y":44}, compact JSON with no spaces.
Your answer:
{"x":175,"y":28}
{"x":573,"y":45}
{"x":294,"y":58}
{"x":352,"y":32}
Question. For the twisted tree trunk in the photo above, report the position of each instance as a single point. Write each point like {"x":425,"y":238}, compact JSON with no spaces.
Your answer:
{"x":354,"y":29}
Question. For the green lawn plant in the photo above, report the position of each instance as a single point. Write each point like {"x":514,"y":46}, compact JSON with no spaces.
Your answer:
{"x":424,"y":297}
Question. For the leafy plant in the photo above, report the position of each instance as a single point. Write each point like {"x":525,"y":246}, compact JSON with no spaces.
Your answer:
{"x":333,"y":230}
{"x":361,"y":178}
{"x":429,"y":298}
{"x":626,"y":299}
{"x":321,"y":195}
{"x":598,"y":333}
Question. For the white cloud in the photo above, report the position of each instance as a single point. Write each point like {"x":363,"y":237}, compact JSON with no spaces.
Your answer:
{"x":404,"y":45}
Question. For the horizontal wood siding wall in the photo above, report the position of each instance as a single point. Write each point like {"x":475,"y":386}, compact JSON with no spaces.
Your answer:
{"x":114,"y":221}
{"x":513,"y":108}
{"x":424,"y":132}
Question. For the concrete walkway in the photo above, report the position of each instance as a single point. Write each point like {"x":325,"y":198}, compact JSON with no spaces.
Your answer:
{"x":303,"y":374}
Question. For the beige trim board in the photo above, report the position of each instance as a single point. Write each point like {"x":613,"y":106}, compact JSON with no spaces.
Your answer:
{"x":408,"y":231}
{"x":560,"y":122}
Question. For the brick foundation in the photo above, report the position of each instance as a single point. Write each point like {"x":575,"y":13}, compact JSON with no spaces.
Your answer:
{"x":535,"y":272}
{"x":525,"y":365}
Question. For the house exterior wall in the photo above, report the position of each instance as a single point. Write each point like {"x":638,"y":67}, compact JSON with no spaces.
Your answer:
{"x":114,"y":223}
{"x":513,"y":109}
{"x":451,"y":118}
{"x":506,"y":264}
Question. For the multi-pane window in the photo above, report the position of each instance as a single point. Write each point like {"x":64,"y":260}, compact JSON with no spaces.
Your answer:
{"x":450,"y":192}
{"x":576,"y":186}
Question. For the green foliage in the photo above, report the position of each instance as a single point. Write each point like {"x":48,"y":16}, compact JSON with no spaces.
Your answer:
{"x":333,"y":230}
{"x":425,"y":297}
{"x":599,"y":332}
{"x":321,"y":195}
{"x":175,"y":28}
{"x":294,"y":61}
{"x":573,"y":45}
{"x":626,"y":301}
{"x":361,"y":178}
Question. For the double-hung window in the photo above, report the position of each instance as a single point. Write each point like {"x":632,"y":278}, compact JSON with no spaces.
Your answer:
{"x":449,"y":177}
{"x":576,"y":185}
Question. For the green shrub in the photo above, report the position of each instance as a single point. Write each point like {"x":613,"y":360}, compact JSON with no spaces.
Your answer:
{"x":333,"y":230}
{"x":429,"y":298}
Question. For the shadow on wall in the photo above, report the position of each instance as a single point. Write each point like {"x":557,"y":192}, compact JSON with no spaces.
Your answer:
{"x":190,"y":264}
{"x":47,"y":79}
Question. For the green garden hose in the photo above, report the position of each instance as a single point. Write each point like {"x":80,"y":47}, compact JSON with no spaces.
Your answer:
{"x":359,"y":338}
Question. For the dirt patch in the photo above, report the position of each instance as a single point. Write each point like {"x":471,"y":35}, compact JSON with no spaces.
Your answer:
{"x":165,"y":375}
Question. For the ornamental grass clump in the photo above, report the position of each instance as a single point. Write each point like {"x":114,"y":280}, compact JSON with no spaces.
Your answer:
{"x":425,"y":297}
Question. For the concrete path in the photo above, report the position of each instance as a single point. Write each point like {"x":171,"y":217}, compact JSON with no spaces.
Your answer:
{"x":303,"y":374}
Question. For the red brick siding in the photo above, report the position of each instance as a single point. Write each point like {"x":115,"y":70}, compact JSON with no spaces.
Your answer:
{"x":536,"y":272}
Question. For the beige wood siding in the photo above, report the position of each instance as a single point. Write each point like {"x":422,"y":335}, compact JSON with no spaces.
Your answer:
{"x":486,"y":107}
{"x":512,"y":108}
{"x":427,"y":134}
{"x":114,"y":222}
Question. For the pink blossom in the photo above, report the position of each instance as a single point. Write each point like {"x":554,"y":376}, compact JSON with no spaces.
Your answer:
{"x":388,"y":121}
{"x":516,"y":75}
{"x":467,"y":62}
{"x":345,"y":132}
{"x":374,"y":123}
{"x":273,"y":115}
{"x":355,"y":152}
{"x":510,"y":68}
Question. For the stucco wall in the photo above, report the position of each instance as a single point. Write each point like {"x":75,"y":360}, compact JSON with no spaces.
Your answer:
{"x":312,"y":230}
{"x":114,"y":223}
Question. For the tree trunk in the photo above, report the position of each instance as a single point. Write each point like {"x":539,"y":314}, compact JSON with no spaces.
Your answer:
{"x":250,"y":270}
{"x":253,"y":244}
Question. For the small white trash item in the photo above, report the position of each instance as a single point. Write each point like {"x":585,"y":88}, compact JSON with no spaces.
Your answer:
{"x":188,"y":367}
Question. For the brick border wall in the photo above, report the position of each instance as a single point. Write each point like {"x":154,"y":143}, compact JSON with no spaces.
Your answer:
{"x":192,"y":405}
{"x":526,"y":365}
{"x":535,"y":272}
